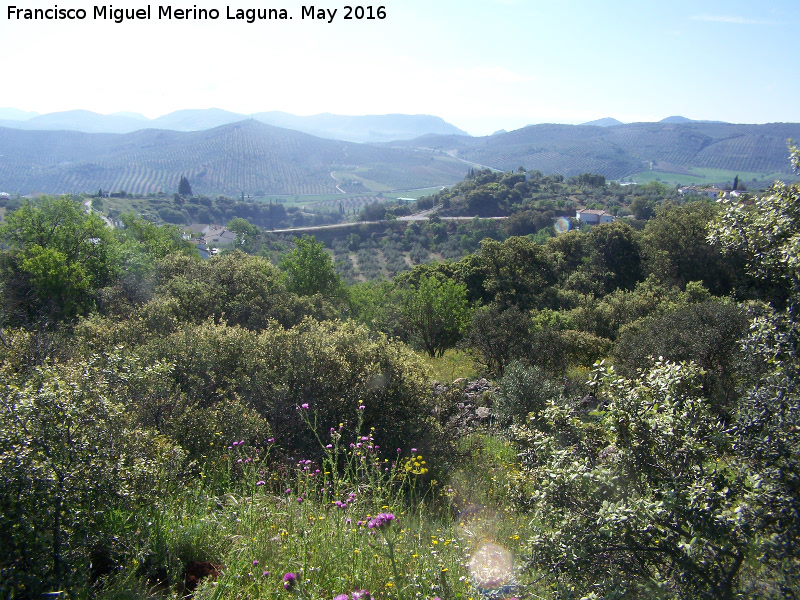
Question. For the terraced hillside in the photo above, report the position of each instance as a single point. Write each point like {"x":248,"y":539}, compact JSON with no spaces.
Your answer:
{"x":623,"y":150}
{"x":247,"y":156}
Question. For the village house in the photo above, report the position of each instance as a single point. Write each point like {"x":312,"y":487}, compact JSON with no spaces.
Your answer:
{"x":594,"y":217}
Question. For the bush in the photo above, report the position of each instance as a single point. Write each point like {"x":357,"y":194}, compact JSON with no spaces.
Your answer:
{"x":524,"y":389}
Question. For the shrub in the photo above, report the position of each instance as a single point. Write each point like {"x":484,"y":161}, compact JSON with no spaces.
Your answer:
{"x":525,"y":389}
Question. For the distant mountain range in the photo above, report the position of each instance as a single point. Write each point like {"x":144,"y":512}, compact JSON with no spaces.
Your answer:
{"x":366,"y":128}
{"x":247,"y":156}
{"x":619,"y":150}
{"x":610,"y":121}
{"x":253,"y":157}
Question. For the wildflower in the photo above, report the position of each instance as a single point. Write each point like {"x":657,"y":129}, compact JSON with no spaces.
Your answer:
{"x":255,"y":563}
{"x":381,"y":521}
{"x":289,"y":581}
{"x":262,"y":482}
{"x":304,"y":406}
{"x":328,"y":447}
{"x":341,"y":597}
{"x":270,"y":440}
{"x":362,"y":407}
{"x":299,"y":500}
{"x":361,"y":595}
{"x":265,"y":574}
{"x":413,"y":450}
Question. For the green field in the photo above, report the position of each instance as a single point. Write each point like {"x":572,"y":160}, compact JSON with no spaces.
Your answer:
{"x":707,"y":176}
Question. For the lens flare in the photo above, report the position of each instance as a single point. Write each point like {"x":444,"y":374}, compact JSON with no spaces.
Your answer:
{"x":562,"y":225}
{"x":491,"y":567}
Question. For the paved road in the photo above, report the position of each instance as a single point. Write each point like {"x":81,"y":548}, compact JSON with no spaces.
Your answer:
{"x":415,"y":217}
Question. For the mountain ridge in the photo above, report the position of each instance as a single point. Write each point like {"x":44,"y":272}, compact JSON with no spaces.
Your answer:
{"x":359,"y":128}
{"x":243,"y":156}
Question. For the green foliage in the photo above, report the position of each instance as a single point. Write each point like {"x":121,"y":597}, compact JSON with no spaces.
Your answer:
{"x":642,"y":498}
{"x":643,"y":208}
{"x":514,"y":272}
{"x":615,"y":256}
{"x":68,"y":458}
{"x":58,"y":257}
{"x":499,"y":336}
{"x":525,"y":389}
{"x":309,"y":269}
{"x":240,"y":289}
{"x":436,"y":313}
{"x":769,"y":417}
{"x":677,"y":251}
{"x":706,"y":333}
{"x":184,"y":187}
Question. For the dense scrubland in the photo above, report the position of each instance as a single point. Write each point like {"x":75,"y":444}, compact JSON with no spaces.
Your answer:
{"x":173,"y":426}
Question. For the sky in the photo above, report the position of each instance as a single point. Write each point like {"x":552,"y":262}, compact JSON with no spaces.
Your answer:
{"x":482,"y":65}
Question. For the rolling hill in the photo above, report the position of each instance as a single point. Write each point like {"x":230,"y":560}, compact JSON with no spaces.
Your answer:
{"x":244,"y":156}
{"x":619,"y":151}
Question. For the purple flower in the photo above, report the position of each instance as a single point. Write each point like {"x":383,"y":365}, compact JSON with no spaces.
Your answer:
{"x":270,"y":440}
{"x":261,"y":482}
{"x":341,"y":597}
{"x":381,"y":521}
{"x":329,"y":446}
{"x":265,"y":573}
{"x":299,"y":500}
{"x":413,"y":449}
{"x":362,"y":407}
{"x":304,"y":406}
{"x":255,"y":562}
{"x":289,"y":581}
{"x":361,"y":595}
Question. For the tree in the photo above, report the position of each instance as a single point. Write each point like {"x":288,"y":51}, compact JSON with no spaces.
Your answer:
{"x":677,"y":251}
{"x":706,"y":333}
{"x":58,"y":257}
{"x":309,"y":269}
{"x":499,"y":337}
{"x":436,"y":312}
{"x":615,"y":256}
{"x":514,"y":272}
{"x":643,"y":208}
{"x":184,"y":187}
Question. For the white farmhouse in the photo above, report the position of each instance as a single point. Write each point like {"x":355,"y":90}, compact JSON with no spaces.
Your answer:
{"x":594,"y":217}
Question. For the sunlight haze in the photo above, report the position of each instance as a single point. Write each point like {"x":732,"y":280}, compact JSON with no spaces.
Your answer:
{"x":482,"y":66}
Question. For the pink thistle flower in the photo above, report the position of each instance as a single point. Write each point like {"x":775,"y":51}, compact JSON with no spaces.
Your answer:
{"x":381,"y":521}
{"x":289,"y":581}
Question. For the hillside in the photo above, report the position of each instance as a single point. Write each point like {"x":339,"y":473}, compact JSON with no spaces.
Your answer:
{"x":624,"y":150}
{"x":246,"y":156}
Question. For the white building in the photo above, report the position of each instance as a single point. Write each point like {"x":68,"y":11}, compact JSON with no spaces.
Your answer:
{"x":594,"y":217}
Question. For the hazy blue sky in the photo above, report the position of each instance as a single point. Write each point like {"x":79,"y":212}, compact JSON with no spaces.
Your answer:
{"x":481,"y":65}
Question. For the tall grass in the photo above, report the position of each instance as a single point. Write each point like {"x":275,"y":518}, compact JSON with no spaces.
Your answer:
{"x":257,"y":518}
